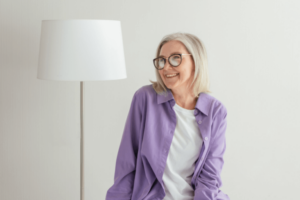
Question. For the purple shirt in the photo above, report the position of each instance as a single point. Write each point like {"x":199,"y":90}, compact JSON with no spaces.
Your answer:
{"x":146,"y":141}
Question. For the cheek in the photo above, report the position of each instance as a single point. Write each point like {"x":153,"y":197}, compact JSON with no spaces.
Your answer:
{"x":161,"y":75}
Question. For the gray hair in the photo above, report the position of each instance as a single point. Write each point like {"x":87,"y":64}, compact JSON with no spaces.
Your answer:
{"x":195,"y":47}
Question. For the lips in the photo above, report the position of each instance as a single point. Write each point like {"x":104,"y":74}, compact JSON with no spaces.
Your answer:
{"x":171,"y":76}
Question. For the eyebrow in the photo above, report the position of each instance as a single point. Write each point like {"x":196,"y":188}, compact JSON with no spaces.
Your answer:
{"x":171,"y":54}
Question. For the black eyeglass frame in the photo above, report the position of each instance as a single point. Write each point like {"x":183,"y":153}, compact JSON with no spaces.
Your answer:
{"x":169,"y":60}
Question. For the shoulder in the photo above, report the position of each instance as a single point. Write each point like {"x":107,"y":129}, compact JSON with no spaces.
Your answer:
{"x":145,"y":91}
{"x":216,"y":106}
{"x":144,"y":94}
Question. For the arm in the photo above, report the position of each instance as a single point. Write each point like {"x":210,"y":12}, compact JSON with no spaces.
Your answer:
{"x":209,"y":180}
{"x":127,"y":154}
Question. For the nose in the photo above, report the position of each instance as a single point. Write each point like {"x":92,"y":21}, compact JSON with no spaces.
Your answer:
{"x":167,"y":65}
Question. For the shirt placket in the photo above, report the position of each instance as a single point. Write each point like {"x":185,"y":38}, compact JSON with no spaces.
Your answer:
{"x":167,"y":139}
{"x":205,"y":143}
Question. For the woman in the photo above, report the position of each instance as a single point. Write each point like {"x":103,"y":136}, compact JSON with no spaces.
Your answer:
{"x":174,"y":138}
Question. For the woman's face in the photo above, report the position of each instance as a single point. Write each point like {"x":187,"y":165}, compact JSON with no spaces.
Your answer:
{"x":185,"y":70}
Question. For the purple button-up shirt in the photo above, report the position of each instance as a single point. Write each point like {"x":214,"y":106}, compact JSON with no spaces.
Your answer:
{"x":148,"y":132}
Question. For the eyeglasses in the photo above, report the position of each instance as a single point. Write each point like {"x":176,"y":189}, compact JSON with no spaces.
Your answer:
{"x":174,"y":60}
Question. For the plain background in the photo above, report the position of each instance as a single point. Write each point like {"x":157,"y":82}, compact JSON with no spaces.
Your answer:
{"x":254,"y":57}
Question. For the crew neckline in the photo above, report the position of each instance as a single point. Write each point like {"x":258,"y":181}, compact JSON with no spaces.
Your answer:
{"x":179,"y":108}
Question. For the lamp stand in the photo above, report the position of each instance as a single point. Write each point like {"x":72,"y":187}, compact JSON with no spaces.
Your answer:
{"x":81,"y":144}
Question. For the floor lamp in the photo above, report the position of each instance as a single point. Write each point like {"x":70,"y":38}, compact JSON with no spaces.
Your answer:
{"x":81,"y":50}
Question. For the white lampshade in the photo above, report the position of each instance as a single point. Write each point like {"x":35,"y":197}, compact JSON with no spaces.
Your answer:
{"x":81,"y":50}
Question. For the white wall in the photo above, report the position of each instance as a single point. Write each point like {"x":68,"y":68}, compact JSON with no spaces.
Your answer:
{"x":254,"y":63}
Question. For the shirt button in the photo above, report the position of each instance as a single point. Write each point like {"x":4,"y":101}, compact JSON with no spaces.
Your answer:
{"x":199,"y":122}
{"x":206,"y":138}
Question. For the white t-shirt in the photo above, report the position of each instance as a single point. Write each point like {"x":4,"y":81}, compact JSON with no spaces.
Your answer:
{"x":184,"y":151}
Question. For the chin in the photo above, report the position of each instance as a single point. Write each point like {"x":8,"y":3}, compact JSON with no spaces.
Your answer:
{"x":170,"y":86}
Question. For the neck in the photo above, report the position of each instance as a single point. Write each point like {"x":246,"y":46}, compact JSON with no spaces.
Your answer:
{"x":185,"y":99}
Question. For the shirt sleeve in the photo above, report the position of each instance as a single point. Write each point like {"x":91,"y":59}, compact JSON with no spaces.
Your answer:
{"x":127,"y":154}
{"x":209,"y":180}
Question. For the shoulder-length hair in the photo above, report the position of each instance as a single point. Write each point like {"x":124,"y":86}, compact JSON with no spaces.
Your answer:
{"x":195,"y":47}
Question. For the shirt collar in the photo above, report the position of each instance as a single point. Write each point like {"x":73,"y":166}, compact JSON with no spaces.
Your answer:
{"x":202,"y":104}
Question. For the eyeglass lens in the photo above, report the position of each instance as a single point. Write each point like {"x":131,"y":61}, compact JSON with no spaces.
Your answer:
{"x":175,"y":60}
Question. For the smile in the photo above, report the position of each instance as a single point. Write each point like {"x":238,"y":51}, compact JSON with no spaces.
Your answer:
{"x":172,"y":75}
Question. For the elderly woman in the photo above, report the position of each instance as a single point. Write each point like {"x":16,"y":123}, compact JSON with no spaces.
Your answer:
{"x":174,"y":138}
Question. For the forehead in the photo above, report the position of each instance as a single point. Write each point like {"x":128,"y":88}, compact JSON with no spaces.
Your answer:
{"x":171,"y":47}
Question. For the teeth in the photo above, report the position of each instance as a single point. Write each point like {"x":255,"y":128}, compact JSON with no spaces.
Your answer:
{"x":172,"y":75}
